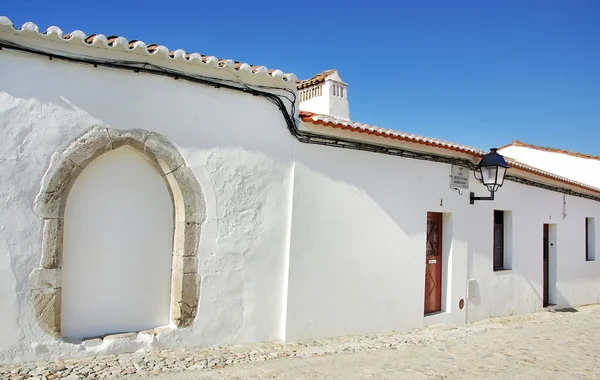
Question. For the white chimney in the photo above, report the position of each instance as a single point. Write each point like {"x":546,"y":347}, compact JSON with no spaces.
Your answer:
{"x":325,"y":93}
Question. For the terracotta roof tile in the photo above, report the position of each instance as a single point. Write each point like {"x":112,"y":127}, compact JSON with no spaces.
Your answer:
{"x":315,"y":79}
{"x":328,"y":121}
{"x":277,"y":77}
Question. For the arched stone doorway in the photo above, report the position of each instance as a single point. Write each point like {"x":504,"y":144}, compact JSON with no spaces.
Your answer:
{"x":189,"y":213}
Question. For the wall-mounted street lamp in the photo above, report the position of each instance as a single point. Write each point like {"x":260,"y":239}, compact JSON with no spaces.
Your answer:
{"x":490,"y":172}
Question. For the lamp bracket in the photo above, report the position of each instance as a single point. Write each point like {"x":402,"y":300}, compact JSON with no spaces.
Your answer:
{"x":474,"y":198}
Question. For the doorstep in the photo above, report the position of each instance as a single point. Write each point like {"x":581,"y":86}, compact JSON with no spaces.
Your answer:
{"x":435,"y":319}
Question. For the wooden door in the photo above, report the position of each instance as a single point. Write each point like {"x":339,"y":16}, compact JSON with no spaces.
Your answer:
{"x":433,"y":263}
{"x":546,"y":253}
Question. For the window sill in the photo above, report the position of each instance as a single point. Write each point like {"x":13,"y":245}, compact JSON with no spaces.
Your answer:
{"x":590,"y":260}
{"x":503,"y":270}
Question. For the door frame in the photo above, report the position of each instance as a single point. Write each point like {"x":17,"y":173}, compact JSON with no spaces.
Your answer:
{"x":549,"y":274}
{"x":438,"y":265}
{"x":546,"y":265}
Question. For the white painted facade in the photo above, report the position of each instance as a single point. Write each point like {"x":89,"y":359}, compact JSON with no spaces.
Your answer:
{"x":580,"y":169}
{"x":300,"y":241}
{"x":241,"y":154}
{"x":363,"y":233}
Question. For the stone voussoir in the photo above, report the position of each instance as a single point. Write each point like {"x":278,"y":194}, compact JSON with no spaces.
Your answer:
{"x":184,"y":283}
{"x":42,"y":278}
{"x":166,"y":154}
{"x":184,"y":295}
{"x":185,"y":264}
{"x":56,"y":178}
{"x":135,"y":138}
{"x":52,"y":243}
{"x":188,"y":198}
{"x":90,"y":145}
{"x":186,"y":239}
{"x":49,"y":205}
{"x":56,"y":183}
{"x":46,"y":306}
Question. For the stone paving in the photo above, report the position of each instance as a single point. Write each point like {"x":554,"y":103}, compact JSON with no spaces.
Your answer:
{"x":542,"y":345}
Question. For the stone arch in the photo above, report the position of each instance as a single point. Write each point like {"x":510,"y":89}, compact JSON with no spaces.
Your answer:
{"x":188,"y":205}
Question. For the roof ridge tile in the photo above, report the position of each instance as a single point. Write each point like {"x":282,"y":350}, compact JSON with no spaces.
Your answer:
{"x":259,"y":74}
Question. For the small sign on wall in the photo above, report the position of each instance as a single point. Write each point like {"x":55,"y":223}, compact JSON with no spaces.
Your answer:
{"x":459,"y":177}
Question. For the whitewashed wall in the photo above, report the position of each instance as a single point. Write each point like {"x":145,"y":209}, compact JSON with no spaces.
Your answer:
{"x":573,"y":280}
{"x":579,"y":169}
{"x":354,"y":243}
{"x":238,"y":148}
{"x":357,"y":257}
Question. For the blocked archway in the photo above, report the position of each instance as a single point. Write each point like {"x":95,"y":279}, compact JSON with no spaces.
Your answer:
{"x":188,"y":205}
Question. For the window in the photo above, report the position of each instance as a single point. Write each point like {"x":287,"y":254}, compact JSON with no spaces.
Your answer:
{"x":590,"y":239}
{"x":498,"y":240}
{"x":503,"y":240}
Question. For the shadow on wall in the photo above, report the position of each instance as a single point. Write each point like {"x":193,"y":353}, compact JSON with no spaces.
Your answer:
{"x":556,"y":297}
{"x":400,"y":188}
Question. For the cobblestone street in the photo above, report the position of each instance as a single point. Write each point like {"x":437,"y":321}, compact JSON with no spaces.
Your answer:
{"x":545,"y":345}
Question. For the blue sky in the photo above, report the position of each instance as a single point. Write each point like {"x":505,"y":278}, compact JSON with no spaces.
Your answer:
{"x":480,"y":73}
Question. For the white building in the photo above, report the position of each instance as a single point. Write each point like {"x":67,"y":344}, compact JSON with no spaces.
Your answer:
{"x":159,"y":199}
